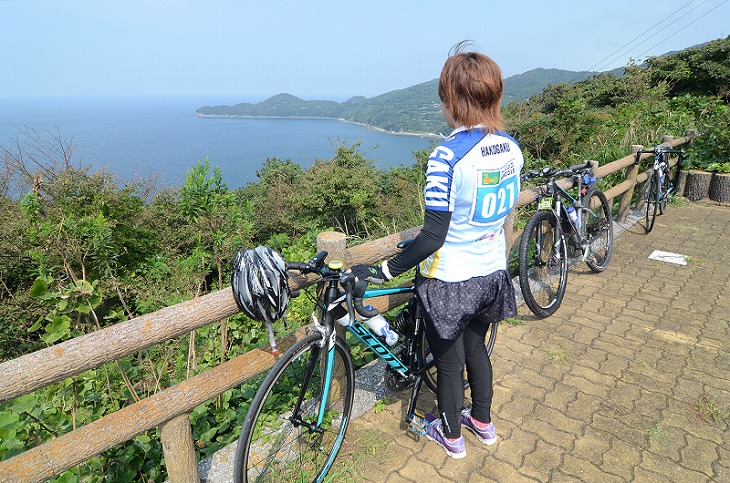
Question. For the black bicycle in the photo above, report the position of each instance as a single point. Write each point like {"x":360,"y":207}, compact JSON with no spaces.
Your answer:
{"x":298,"y":418}
{"x":660,"y":187}
{"x":563,"y":227}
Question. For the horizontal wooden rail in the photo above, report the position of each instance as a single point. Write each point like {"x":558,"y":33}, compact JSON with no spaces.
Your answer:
{"x":56,"y":363}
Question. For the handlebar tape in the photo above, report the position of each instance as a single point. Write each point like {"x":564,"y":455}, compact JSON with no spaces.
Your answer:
{"x":358,"y":293}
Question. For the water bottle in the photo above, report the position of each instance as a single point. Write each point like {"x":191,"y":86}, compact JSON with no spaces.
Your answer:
{"x":381,"y":327}
{"x":572,"y":214}
{"x":344,"y":321}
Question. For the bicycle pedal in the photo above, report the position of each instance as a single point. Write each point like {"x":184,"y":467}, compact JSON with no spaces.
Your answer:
{"x":418,"y":424}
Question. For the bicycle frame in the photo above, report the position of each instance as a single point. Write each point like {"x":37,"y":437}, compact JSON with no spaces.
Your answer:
{"x":332,"y":298}
{"x":661,"y":157}
{"x":558,"y":207}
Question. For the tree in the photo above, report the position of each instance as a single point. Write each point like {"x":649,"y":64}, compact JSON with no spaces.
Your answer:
{"x":703,"y":70}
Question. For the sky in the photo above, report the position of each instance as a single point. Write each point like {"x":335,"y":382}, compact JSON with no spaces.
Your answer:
{"x":248,"y":51}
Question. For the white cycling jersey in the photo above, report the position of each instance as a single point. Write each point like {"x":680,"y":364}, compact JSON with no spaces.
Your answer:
{"x":474,"y":175}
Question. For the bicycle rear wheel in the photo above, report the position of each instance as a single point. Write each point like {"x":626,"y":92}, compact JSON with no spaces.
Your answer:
{"x":652,"y":201}
{"x":430,"y":375}
{"x":281,"y":439}
{"x":543,"y":264}
{"x":598,"y":224}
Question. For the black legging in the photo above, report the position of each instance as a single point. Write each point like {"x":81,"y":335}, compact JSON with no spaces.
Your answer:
{"x":451,"y":356}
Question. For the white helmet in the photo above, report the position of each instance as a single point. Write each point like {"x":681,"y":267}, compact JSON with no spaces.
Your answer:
{"x":260,"y":284}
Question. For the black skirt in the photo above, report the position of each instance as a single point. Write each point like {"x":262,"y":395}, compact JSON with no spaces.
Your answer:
{"x":451,"y":306}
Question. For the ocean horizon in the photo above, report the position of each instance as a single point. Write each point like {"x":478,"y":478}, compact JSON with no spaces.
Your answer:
{"x":144,"y":137}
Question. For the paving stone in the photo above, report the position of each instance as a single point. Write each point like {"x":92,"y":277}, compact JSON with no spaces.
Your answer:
{"x":591,"y":447}
{"x":662,"y":466}
{"x":541,"y":463}
{"x":585,"y":406}
{"x":697,"y":455}
{"x":622,"y":458}
{"x":503,"y":471}
{"x":560,"y":397}
{"x":549,"y":433}
{"x":586,"y":471}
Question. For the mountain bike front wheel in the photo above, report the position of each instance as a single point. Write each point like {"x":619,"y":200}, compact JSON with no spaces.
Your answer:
{"x":543,"y":264}
{"x":598,"y":224}
{"x":285,"y":436}
{"x":664,"y":191}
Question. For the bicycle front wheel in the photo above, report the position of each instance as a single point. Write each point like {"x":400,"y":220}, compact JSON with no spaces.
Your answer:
{"x":543,"y":264}
{"x":652,"y":201}
{"x":598,"y":224}
{"x":664,"y":192}
{"x":284,"y":436}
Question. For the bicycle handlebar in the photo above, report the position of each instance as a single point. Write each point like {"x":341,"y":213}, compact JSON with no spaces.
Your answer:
{"x":354,"y":291}
{"x":549,"y":172}
{"x":658,"y":150}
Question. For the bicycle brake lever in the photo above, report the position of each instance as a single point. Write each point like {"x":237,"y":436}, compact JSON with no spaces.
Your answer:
{"x":347,"y":281}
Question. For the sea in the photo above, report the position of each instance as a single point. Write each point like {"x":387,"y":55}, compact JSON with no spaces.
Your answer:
{"x":144,"y":137}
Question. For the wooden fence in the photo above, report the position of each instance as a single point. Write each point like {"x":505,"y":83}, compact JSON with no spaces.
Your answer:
{"x":170,"y":408}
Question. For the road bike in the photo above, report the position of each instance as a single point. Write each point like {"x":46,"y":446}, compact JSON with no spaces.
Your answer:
{"x":298,"y":418}
{"x":563,"y":227}
{"x":660,"y":187}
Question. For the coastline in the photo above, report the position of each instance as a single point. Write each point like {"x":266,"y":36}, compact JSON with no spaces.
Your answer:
{"x":368,"y":126}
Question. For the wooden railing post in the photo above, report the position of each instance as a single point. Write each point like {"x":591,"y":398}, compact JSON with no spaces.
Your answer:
{"x":509,"y":230}
{"x":335,"y":243}
{"x":631,"y":172}
{"x":178,"y":447}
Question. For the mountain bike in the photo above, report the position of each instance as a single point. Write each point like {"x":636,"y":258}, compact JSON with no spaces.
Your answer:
{"x":563,"y":227}
{"x":298,"y":418}
{"x":660,"y":188}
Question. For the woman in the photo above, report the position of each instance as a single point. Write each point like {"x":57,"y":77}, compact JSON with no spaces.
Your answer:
{"x":472,"y":183}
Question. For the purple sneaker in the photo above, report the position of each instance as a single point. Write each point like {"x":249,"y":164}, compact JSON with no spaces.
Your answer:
{"x":435,"y":432}
{"x":486,"y":435}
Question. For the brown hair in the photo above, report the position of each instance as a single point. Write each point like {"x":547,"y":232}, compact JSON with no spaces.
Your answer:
{"x":470,"y":86}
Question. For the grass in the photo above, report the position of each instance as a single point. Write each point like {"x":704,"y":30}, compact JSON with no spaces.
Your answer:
{"x":677,"y":201}
{"x":558,"y":356}
{"x":513,"y":321}
{"x":368,"y":445}
{"x":656,"y":432}
{"x":708,"y":409}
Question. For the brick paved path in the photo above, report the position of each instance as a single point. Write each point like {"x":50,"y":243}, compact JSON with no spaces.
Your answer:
{"x":619,"y":385}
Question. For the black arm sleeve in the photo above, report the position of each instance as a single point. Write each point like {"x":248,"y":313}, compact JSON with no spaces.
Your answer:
{"x":430,"y":239}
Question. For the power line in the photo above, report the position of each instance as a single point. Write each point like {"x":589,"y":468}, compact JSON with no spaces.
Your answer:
{"x":677,"y":31}
{"x":628,"y":44}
